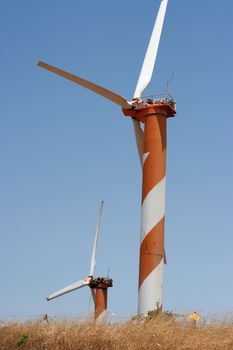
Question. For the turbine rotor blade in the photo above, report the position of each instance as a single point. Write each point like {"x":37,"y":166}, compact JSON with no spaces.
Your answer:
{"x":93,"y":294}
{"x":93,"y":257}
{"x":70,"y":288}
{"x":112,"y":96}
{"x":139,"y":136}
{"x":150,"y":57}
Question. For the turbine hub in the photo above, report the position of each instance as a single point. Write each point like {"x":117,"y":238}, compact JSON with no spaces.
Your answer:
{"x":101,"y":282}
{"x":141,"y":107}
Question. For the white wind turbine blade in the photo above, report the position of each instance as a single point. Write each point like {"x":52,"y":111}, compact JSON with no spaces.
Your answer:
{"x":139,"y":135}
{"x":112,"y":96}
{"x":93,"y":257}
{"x":70,"y":288}
{"x":149,"y":60}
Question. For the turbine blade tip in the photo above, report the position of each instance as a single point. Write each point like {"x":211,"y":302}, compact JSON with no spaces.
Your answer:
{"x":41,"y":64}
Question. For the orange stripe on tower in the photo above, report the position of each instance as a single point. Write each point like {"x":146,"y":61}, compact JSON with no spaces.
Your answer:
{"x":154,"y":144}
{"x":151,"y":251}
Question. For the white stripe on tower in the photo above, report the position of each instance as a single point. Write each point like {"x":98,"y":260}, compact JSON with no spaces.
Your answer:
{"x":153,"y":213}
{"x":153,"y":208}
{"x":150,"y":292}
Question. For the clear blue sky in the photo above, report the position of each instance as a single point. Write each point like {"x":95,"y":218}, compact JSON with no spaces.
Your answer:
{"x":63,"y":149}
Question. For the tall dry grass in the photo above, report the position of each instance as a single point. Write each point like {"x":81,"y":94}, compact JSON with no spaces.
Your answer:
{"x":160,"y":333}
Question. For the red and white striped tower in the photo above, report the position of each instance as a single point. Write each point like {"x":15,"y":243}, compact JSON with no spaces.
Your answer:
{"x":153,"y":210}
{"x":152,"y":254}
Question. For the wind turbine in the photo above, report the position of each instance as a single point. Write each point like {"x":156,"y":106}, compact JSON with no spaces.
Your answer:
{"x":151,"y":144}
{"x":99,"y":286}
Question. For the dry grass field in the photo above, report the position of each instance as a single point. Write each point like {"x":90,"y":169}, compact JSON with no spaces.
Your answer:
{"x":161,"y":332}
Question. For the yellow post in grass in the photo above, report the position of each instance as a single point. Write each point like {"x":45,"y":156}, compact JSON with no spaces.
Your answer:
{"x":194,"y":317}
